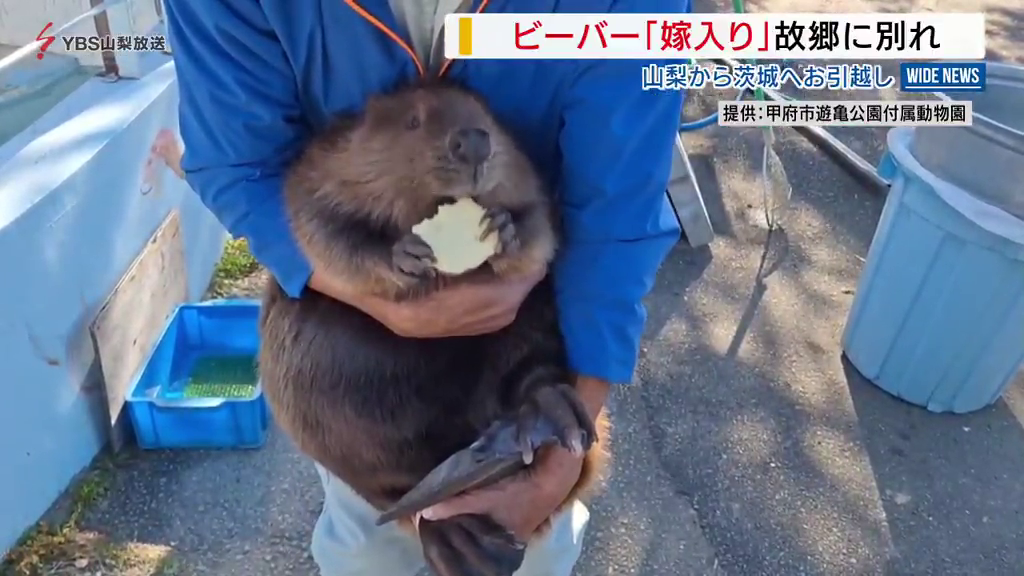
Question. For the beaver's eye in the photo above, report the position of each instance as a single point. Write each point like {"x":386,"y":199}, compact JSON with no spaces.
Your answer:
{"x":413,"y":122}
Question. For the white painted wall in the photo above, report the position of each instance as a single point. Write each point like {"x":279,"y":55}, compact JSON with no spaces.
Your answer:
{"x":73,"y":217}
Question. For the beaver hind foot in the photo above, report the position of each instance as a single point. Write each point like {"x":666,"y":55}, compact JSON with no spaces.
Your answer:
{"x":470,"y":545}
{"x":550,"y":414}
{"x":473,"y":544}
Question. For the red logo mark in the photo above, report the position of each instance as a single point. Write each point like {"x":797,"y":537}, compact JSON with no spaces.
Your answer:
{"x":46,"y":40}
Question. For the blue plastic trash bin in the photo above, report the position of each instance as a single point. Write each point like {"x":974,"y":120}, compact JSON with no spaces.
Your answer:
{"x":938,"y":317}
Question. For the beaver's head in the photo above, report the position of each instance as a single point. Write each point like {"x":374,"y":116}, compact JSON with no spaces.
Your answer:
{"x":438,"y":140}
{"x":405,"y":153}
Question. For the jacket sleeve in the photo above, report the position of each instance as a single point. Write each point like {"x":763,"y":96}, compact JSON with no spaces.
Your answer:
{"x":240,"y":121}
{"x":617,"y":144}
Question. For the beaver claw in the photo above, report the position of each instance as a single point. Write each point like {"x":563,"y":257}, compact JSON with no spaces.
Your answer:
{"x":549,"y":414}
{"x":470,"y":545}
{"x":499,"y":221}
{"x":413,"y":257}
{"x":554,"y":412}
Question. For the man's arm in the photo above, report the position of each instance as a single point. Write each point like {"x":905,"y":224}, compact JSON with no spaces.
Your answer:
{"x":617,"y":145}
{"x":240,"y":122}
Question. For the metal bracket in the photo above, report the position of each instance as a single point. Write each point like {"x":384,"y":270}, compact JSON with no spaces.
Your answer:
{"x":686,"y":199}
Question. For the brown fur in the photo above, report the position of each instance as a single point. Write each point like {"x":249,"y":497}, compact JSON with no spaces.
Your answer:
{"x":378,"y":410}
{"x":394,"y":176}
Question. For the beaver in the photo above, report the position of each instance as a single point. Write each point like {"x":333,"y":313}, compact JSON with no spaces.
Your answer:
{"x":408,"y":422}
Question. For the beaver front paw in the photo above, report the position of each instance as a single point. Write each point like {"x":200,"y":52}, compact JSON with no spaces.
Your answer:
{"x":413,"y":257}
{"x":499,"y":221}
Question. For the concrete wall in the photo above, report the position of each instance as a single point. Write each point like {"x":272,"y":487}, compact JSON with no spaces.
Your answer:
{"x":74,"y":214}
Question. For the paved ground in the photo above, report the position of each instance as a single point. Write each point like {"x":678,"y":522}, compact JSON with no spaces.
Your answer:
{"x":747,"y":447}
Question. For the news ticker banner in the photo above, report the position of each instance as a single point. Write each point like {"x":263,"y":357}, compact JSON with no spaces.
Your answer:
{"x":849,"y":113}
{"x":931,"y":36}
{"x":942,"y":76}
{"x":914,"y":77}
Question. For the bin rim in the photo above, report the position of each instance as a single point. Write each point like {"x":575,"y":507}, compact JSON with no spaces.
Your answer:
{"x":992,"y":130}
{"x":992,"y":218}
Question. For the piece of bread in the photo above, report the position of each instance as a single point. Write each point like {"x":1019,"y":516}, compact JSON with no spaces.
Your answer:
{"x":453,"y":233}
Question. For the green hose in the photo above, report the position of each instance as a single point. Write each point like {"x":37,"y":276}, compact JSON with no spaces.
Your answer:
{"x":738,"y":7}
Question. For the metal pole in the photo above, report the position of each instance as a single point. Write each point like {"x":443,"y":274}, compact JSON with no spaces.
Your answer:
{"x":849,"y":160}
{"x":101,"y":7}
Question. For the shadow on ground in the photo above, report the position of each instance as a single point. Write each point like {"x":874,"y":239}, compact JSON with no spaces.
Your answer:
{"x":792,"y":463}
{"x":224,"y":513}
{"x":950,"y":485}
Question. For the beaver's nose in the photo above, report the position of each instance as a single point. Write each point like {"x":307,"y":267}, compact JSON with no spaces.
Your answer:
{"x":470,"y":146}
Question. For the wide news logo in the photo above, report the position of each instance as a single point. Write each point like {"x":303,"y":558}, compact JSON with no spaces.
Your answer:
{"x":942,"y":76}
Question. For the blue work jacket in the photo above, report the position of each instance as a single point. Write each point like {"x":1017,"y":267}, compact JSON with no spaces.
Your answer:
{"x":258,"y":77}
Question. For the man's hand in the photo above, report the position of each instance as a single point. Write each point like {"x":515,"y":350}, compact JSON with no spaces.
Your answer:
{"x":524,"y":502}
{"x":166,"y":147}
{"x":468,"y":309}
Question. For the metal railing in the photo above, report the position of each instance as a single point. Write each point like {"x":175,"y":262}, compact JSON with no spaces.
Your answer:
{"x":98,"y":13}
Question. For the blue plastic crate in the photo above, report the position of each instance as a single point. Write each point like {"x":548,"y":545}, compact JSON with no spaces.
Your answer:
{"x":163,"y":417}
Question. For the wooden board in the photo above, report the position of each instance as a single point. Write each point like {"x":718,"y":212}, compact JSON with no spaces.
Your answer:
{"x":131,"y":319}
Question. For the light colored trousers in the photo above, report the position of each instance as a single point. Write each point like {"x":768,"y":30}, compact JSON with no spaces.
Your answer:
{"x":346,"y":541}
